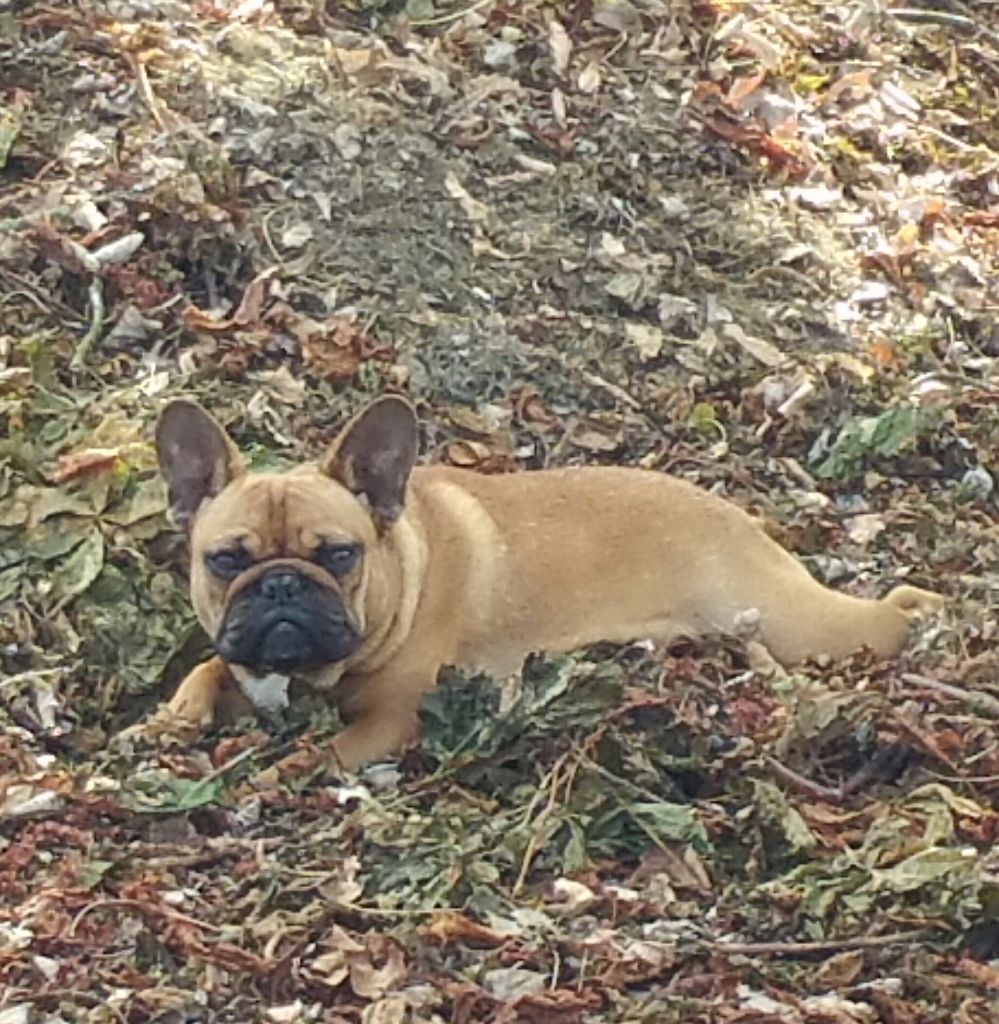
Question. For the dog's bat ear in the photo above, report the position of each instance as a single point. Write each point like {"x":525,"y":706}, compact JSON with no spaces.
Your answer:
{"x":196,"y":456}
{"x":374,"y":456}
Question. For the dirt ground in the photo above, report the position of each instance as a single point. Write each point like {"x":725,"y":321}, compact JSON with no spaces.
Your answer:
{"x":751,"y":244}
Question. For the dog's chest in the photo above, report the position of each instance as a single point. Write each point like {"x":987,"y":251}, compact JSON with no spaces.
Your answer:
{"x":266,"y":693}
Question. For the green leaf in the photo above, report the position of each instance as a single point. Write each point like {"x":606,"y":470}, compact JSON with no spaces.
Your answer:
{"x":10,"y":128}
{"x":75,"y":574}
{"x":157,"y":792}
{"x":883,"y":435}
{"x":671,"y":823}
{"x":574,"y":857}
{"x":10,"y":581}
{"x":923,"y":868}
{"x":94,"y":871}
{"x":148,"y":499}
{"x":704,"y":419}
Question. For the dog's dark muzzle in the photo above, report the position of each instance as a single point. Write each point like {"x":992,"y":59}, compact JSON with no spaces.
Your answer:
{"x":286,"y":622}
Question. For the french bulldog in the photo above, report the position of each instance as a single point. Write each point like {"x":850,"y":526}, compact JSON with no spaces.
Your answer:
{"x":364,"y":575}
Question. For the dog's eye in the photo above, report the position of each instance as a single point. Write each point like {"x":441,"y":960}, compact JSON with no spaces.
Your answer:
{"x":228,"y":565}
{"x":338,"y":559}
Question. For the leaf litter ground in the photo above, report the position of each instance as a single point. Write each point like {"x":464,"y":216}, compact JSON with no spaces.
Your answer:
{"x":753,"y":245}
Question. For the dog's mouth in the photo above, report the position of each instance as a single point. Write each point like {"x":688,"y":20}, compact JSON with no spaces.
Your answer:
{"x":287,"y":623}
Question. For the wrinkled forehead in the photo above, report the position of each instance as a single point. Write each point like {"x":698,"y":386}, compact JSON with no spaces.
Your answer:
{"x":282,"y":514}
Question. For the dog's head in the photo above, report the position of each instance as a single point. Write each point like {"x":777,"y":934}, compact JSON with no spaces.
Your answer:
{"x":280,"y":562}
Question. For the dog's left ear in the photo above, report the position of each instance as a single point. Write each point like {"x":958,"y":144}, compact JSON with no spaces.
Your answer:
{"x":374,"y":456}
{"x":196,"y":456}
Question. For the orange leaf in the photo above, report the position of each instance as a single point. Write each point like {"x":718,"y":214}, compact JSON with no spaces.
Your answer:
{"x":247,"y":313}
{"x":90,"y":460}
{"x":884,"y":354}
{"x":983,"y":218}
{"x":451,"y":926}
{"x":199,"y":320}
{"x":742,"y":89}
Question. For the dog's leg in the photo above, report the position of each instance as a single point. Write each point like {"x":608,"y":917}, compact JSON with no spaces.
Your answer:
{"x":207,"y":695}
{"x":382,"y":714}
{"x":813,"y":620}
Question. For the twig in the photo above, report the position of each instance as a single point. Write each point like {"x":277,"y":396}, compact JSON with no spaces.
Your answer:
{"x":835,"y":794}
{"x":43,"y":300}
{"x":148,"y":96}
{"x":243,"y":755}
{"x":96,"y":295}
{"x":976,"y":699}
{"x":143,"y":910}
{"x":919,"y":15}
{"x":444,"y":19}
{"x":810,"y":948}
{"x":551,"y":785}
{"x":815,"y":790}
{"x":925,"y":741}
{"x":612,"y":389}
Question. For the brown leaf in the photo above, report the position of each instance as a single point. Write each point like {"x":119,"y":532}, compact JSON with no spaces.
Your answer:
{"x":683,"y":868}
{"x":557,"y":1006}
{"x":89,"y":460}
{"x":468,"y":454}
{"x":982,"y":218}
{"x":594,"y":439}
{"x":529,"y":407}
{"x":386,"y":1011}
{"x":253,"y":299}
{"x":856,"y":83}
{"x":469,"y":420}
{"x":982,"y":974}
{"x":336,"y":348}
{"x":841,"y":970}
{"x":452,"y":926}
{"x":741,"y":90}
{"x":201,"y":320}
{"x":757,"y":141}
{"x":370,"y":982}
{"x":248,"y":313}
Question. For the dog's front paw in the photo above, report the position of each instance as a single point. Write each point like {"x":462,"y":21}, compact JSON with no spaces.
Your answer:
{"x":165,"y":729}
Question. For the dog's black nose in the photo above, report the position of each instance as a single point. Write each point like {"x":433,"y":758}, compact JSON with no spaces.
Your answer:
{"x":282,"y":587}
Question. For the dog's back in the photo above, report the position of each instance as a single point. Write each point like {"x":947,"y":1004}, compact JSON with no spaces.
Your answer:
{"x":572,"y":556}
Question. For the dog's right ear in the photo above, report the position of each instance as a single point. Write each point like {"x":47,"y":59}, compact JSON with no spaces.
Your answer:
{"x":196,"y":456}
{"x":374,"y":455}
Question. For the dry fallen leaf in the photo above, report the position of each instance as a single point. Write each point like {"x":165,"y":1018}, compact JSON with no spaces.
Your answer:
{"x":468,"y":454}
{"x":561,"y":46}
{"x":512,"y":982}
{"x":571,"y":897}
{"x":90,"y":460}
{"x":589,"y":78}
{"x":370,"y":982}
{"x":452,"y":926}
{"x":474,"y":210}
{"x":391,"y":1010}
{"x":247,"y":314}
{"x":647,"y":340}
{"x":863,"y":529}
{"x":761,"y":350}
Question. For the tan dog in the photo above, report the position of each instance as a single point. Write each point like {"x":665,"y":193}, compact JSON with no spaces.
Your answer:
{"x":365,"y":576}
